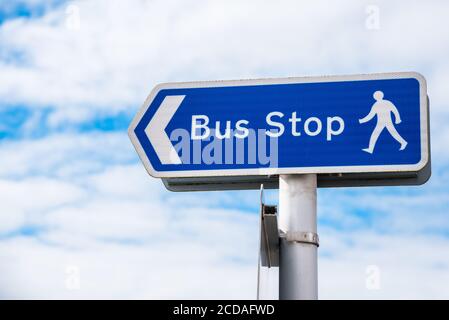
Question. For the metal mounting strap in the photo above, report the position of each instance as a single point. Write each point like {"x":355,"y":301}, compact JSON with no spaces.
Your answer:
{"x":301,"y":237}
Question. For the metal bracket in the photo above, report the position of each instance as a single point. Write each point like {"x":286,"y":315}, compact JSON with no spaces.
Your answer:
{"x":269,"y":237}
{"x":301,"y":237}
{"x":269,"y":234}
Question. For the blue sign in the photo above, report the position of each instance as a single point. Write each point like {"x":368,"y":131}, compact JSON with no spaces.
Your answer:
{"x":342,"y":124}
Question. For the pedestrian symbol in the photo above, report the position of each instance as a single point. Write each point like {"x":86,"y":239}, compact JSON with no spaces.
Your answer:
{"x":383,"y":109}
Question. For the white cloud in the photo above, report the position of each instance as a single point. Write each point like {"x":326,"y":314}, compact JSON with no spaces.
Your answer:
{"x":411,"y":267}
{"x":132,"y":249}
{"x":404,"y":210}
{"x":20,"y":199}
{"x":64,"y":155}
{"x":123,"y":49}
{"x":122,"y":230}
{"x":170,"y":270}
{"x":127,"y":237}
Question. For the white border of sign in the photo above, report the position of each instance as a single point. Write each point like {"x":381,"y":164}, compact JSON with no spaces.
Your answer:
{"x":292,"y":170}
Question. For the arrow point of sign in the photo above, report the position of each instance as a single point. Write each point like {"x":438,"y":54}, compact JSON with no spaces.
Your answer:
{"x":155,"y":130}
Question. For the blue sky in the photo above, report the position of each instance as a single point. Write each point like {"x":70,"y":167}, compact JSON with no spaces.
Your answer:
{"x":79,"y":216}
{"x":26,"y":9}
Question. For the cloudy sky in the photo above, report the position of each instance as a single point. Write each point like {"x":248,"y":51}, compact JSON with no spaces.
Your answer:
{"x":79,"y":216}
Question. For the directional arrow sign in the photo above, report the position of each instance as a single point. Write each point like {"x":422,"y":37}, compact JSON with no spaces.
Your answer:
{"x":326,"y":125}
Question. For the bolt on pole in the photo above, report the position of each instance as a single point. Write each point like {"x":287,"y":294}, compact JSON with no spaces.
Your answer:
{"x":298,"y":264}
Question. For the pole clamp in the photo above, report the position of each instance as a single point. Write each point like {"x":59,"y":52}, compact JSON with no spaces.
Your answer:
{"x":301,"y":237}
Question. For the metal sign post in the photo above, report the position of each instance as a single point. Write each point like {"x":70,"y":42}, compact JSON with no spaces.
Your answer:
{"x":298,"y":266}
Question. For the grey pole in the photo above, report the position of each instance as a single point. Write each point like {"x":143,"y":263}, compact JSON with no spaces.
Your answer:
{"x":298,"y":265}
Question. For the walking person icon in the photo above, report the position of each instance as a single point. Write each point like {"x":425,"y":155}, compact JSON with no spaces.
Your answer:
{"x":383,"y":109}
